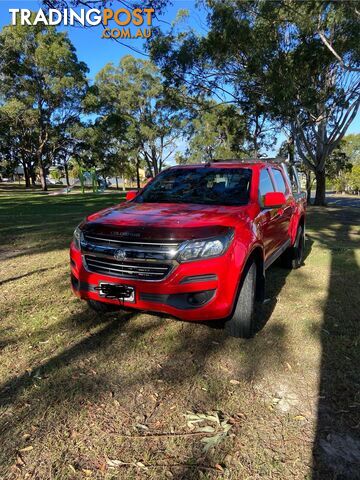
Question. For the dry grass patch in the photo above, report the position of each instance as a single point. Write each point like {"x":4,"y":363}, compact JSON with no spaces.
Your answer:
{"x":90,"y":397}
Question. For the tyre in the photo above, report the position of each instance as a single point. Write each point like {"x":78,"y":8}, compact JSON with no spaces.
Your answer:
{"x":293,"y":257}
{"x":102,"y":307}
{"x":242,"y":324}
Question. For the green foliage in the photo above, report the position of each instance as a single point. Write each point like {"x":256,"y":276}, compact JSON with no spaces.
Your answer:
{"x":217,"y":131}
{"x":276,"y":61}
{"x":141,"y":119}
{"x":42,"y":87}
{"x":343,"y":175}
{"x":351,"y":146}
{"x":338,"y":163}
{"x":354,"y":179}
{"x":55,"y":174}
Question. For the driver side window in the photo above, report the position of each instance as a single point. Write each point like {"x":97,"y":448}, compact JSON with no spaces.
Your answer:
{"x":265,"y":184}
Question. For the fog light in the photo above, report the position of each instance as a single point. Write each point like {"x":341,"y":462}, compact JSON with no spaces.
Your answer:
{"x":199,"y":298}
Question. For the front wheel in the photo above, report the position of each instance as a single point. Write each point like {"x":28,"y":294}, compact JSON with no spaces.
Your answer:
{"x":242,"y":323}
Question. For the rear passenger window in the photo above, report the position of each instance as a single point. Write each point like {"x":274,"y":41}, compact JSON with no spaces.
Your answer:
{"x":279,"y":180}
{"x":265,"y":183}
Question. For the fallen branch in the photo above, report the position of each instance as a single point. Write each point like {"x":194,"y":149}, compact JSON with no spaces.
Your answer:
{"x":119,"y":464}
{"x":161,"y":434}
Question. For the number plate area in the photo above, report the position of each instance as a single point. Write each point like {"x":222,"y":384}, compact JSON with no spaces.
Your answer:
{"x":114,"y":290}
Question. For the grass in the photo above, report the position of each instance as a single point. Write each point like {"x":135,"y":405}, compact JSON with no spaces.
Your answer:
{"x":88,"y":397}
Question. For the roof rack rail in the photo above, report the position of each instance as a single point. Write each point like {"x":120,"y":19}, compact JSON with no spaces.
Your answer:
{"x":249,"y":160}
{"x":274,"y":159}
{"x":235,"y":160}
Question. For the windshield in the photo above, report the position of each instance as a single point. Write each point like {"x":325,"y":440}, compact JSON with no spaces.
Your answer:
{"x":202,"y":185}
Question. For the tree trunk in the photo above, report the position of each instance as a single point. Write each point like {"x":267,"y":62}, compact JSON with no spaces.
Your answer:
{"x":66,"y":174}
{"x":308,"y":196}
{"x":291,"y":150}
{"x":26,"y":174}
{"x":308,"y":186}
{"x":42,"y":173}
{"x":320,"y":188}
{"x":117,"y":183}
{"x":33,"y":178}
{"x":137,"y":175}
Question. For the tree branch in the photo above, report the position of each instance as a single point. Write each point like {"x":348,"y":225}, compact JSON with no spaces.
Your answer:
{"x":336,"y":55}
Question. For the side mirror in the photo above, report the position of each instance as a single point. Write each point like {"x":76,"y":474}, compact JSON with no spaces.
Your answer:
{"x":274,"y":199}
{"x":131,"y":194}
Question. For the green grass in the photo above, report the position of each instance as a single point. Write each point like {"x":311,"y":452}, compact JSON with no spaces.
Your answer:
{"x":80,"y":389}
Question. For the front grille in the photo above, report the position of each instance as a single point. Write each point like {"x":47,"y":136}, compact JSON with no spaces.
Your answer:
{"x":146,"y":247}
{"x":137,"y":271}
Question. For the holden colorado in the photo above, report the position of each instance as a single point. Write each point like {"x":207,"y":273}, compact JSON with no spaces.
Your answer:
{"x":195,"y":243}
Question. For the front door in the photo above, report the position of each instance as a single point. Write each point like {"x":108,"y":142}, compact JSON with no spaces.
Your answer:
{"x":266,"y":220}
{"x":282,"y":216}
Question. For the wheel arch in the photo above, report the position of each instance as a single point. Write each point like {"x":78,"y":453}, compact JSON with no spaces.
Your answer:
{"x":257,"y":255}
{"x":296,"y":225}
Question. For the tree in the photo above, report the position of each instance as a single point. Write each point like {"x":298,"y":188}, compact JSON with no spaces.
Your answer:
{"x":351,"y":146}
{"x":216,"y":131}
{"x":270,"y":59}
{"x":338,"y":168}
{"x":40,"y":70}
{"x":354,"y":179}
{"x":133,"y":104}
{"x":17,"y":136}
{"x":68,"y":141}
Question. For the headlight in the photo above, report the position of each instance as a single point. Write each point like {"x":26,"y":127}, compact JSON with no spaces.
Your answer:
{"x":77,"y":238}
{"x":208,"y":248}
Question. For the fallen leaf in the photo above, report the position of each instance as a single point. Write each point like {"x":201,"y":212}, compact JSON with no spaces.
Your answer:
{"x":211,"y":442}
{"x":141,"y":465}
{"x":26,"y":449}
{"x":207,"y":429}
{"x":218,"y":467}
{"x":86,"y":472}
{"x":234,"y":382}
{"x":299,"y":417}
{"x":114,"y":463}
{"x":141,"y":426}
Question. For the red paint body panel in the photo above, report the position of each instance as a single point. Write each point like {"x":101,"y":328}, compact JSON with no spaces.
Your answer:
{"x":253,"y":227}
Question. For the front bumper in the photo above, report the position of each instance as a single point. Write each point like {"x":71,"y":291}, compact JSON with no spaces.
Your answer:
{"x":211,"y":281}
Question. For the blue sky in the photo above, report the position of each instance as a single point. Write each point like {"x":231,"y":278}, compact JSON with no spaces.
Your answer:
{"x":91,"y":48}
{"x":96,"y":52}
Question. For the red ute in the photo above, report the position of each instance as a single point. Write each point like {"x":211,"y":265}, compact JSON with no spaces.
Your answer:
{"x":194,"y":243}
